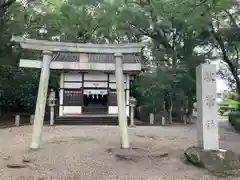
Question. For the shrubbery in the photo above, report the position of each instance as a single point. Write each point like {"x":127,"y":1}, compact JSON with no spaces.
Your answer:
{"x":234,"y":120}
{"x":223,"y":108}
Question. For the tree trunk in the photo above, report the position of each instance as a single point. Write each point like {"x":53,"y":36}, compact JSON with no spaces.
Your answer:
{"x":170,"y":115}
{"x":238,"y":92}
{"x":183,"y":112}
{"x":190,"y":109}
{"x":170,"y":110}
{"x":4,"y":4}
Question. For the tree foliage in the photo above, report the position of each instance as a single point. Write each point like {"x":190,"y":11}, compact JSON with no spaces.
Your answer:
{"x":180,"y":34}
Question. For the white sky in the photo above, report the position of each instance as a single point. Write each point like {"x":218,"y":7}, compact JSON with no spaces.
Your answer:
{"x":221,"y":84}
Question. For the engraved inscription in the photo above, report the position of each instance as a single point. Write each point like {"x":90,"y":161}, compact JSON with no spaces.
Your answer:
{"x":211,"y":124}
{"x":210,"y":77}
{"x":210,"y":100}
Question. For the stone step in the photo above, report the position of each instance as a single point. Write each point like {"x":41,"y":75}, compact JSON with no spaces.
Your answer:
{"x":88,"y":120}
{"x":95,"y":109}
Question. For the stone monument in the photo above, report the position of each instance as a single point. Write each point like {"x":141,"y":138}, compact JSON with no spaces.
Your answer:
{"x":207,"y":118}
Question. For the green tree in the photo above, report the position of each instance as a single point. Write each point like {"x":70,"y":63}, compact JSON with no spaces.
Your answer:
{"x":175,"y":32}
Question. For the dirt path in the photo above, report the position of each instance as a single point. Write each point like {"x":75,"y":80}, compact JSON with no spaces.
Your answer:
{"x":80,"y":153}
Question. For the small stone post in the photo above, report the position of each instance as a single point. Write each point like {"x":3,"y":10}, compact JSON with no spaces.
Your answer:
{"x":207,"y":118}
{"x":122,"y":116}
{"x":41,"y":100}
{"x":51,"y":116}
{"x":132,"y":104}
{"x":132,"y":117}
{"x":151,"y":118}
{"x":31,"y":119}
{"x":17,"y":120}
{"x":163,"y":121}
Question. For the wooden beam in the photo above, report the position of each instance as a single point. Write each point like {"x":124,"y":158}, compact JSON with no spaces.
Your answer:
{"x":30,"y":63}
{"x":76,"y":47}
{"x":57,"y":65}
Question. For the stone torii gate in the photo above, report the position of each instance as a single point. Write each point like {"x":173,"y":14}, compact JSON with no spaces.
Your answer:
{"x":48,"y":48}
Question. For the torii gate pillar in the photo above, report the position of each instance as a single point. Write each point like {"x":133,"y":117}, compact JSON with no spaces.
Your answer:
{"x":122,"y":117}
{"x":41,"y":100}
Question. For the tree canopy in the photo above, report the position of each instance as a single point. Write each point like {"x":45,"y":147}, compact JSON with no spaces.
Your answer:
{"x":180,"y":35}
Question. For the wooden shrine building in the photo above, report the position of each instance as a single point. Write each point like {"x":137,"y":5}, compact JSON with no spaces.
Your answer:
{"x":87,"y":74}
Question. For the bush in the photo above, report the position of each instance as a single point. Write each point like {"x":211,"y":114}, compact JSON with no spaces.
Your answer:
{"x":223,"y":108}
{"x":234,"y":120}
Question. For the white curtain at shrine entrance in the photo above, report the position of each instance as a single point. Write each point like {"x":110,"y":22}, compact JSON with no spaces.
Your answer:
{"x":95,"y":93}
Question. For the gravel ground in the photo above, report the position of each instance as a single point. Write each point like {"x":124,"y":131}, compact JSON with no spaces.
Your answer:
{"x":82,"y":153}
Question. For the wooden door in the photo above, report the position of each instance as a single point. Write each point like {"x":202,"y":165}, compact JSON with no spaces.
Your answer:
{"x":112,"y":98}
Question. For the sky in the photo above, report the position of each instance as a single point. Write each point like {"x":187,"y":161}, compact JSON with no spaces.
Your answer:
{"x":221,"y":84}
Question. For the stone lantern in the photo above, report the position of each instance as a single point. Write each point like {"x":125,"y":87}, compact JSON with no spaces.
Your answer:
{"x":52,"y":104}
{"x":132,"y":104}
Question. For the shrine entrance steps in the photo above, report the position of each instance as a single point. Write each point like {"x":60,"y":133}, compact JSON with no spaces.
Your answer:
{"x":88,"y":119}
{"x":95,"y":109}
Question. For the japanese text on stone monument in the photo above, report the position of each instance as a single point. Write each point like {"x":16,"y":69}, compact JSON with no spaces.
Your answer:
{"x":209,"y":77}
{"x":210,"y":101}
{"x":211,"y":124}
